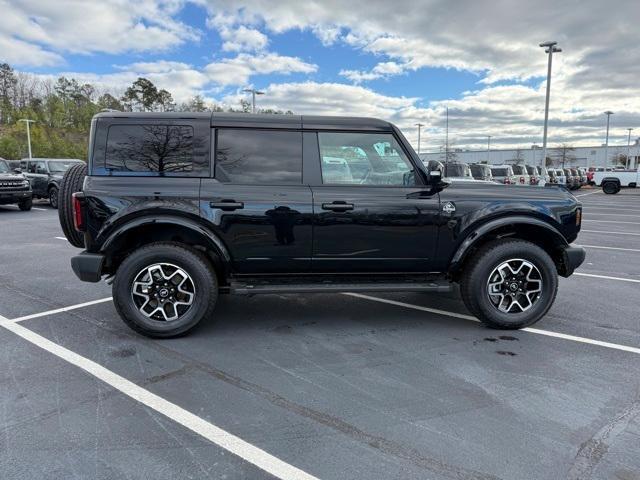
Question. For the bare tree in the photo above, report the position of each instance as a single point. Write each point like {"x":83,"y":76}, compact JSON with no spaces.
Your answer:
{"x":564,"y":153}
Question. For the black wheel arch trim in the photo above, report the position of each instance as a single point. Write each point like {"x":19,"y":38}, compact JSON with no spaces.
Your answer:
{"x":477,"y":234}
{"x":170,"y":220}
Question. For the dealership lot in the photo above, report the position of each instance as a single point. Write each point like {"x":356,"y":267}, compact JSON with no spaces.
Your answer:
{"x":330,"y":386}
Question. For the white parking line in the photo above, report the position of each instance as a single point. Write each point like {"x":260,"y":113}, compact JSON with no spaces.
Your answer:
{"x":632,"y":280}
{"x":207,"y":430}
{"x":585,"y":194}
{"x":610,"y":221}
{"x":612,"y":248}
{"x":610,"y":233}
{"x":41,"y":209}
{"x":548,"y":333}
{"x":61,"y":238}
{"x":63,"y":309}
{"x":612,"y":214}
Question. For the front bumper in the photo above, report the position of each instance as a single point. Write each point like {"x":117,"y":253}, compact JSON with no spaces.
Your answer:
{"x":14,"y":196}
{"x":572,"y":258}
{"x":88,"y":266}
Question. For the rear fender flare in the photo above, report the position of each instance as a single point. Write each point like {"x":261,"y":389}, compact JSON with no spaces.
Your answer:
{"x":214,"y":240}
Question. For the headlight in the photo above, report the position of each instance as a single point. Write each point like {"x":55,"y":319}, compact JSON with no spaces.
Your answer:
{"x":25,"y":182}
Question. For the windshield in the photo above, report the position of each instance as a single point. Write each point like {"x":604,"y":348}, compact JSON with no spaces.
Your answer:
{"x":518,"y":170}
{"x":479,"y":170}
{"x":60,"y":166}
{"x":4,"y":167}
{"x":456,"y":170}
{"x":501,"y":172}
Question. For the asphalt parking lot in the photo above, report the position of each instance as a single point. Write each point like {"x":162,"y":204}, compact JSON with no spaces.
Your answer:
{"x":338,"y":386}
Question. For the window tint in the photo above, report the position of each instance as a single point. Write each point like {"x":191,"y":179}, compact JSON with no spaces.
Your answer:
{"x":456,"y":170}
{"x":501,"y":172}
{"x":364,"y":159}
{"x":4,"y":168}
{"x":519,"y":170}
{"x":151,"y":149}
{"x":259,"y":157}
{"x":37,"y":167}
{"x":531,"y":170}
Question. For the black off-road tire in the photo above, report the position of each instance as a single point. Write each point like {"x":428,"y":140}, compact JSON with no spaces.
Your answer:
{"x":474,"y":279}
{"x":194,"y":263}
{"x":610,"y":188}
{"x":53,"y":196}
{"x":71,"y":183}
{"x":25,"y":205}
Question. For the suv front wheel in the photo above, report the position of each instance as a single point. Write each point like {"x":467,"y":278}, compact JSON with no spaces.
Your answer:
{"x":509,"y":284}
{"x":164,"y":290}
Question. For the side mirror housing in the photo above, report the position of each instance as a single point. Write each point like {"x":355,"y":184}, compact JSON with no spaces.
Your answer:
{"x":17,"y":170}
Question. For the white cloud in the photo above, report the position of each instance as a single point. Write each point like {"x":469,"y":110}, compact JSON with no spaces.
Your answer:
{"x":48,"y":28}
{"x":381,"y":70}
{"x":242,"y":39}
{"x":238,"y":70}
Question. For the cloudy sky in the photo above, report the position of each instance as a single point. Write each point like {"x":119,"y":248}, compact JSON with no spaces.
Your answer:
{"x":401,"y":60}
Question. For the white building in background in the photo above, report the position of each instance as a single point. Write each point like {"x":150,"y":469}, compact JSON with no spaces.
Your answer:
{"x":578,"y":157}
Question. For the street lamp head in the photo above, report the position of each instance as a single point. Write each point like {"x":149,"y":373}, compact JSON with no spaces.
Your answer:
{"x":258,"y":92}
{"x":548,"y":44}
{"x":608,"y":112}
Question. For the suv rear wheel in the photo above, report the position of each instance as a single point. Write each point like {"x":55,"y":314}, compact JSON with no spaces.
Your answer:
{"x":509,"y":284}
{"x":71,"y":183}
{"x":164,"y":290}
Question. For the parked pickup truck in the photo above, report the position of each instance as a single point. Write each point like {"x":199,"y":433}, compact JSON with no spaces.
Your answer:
{"x":612,"y":182}
{"x":176,"y":208}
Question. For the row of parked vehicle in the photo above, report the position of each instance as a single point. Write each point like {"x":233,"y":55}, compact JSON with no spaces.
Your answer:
{"x":573,"y":178}
{"x":23,"y":180}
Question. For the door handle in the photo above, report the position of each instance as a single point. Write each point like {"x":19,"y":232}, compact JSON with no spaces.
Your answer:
{"x":227,"y":205}
{"x":337,"y":206}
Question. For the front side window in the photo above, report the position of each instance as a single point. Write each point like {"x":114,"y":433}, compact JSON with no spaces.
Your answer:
{"x":4,"y":168}
{"x":37,"y":167}
{"x":364,"y":159}
{"x":150,"y":149}
{"x":259,"y":157}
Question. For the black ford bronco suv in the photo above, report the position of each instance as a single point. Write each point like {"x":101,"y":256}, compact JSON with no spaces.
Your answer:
{"x":176,"y":208}
{"x":14,"y":187}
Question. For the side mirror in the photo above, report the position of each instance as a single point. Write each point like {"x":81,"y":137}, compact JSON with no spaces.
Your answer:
{"x":17,"y":170}
{"x":435,"y":177}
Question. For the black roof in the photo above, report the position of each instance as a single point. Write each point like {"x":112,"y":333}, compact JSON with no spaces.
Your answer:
{"x":258,"y":120}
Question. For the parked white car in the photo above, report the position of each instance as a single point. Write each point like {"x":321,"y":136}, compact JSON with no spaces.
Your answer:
{"x":560,"y":176}
{"x":612,"y":182}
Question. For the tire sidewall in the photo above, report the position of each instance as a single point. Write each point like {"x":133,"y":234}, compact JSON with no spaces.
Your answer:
{"x":205,"y":284}
{"x":610,"y":188}
{"x":53,"y":197}
{"x":495,"y":257}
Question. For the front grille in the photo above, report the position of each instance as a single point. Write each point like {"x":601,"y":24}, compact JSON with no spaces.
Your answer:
{"x":13,"y":185}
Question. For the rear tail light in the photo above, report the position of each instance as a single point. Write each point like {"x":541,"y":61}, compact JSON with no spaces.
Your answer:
{"x":522,"y":180}
{"x":78,"y":217}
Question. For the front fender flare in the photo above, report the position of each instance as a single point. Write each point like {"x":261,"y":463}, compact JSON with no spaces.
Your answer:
{"x":169,"y":220}
{"x":477,"y":233}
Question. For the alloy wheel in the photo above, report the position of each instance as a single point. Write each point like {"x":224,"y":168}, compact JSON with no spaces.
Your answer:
{"x":163,"y":292}
{"x":514,"y":286}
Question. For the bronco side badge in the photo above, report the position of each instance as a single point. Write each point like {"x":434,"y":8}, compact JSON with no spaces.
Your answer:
{"x":448,"y":207}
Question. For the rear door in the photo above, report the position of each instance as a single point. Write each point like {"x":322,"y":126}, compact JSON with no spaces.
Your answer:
{"x":372,"y":213}
{"x":256,"y":200}
{"x":38,"y":176}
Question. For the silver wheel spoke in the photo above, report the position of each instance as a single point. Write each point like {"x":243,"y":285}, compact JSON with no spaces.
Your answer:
{"x":514,"y":286}
{"x":163,"y":292}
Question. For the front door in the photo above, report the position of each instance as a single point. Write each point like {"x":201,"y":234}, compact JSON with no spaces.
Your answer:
{"x":257,"y":203}
{"x":372,"y":213}
{"x":38,"y":176}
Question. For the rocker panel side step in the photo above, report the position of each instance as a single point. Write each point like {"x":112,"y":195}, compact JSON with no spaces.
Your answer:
{"x":246,"y":288}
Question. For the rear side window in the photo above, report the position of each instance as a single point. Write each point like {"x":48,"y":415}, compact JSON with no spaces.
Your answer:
{"x":150,"y":149}
{"x":264,"y":157}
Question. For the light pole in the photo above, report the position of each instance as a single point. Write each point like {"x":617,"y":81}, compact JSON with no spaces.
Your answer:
{"x":446,"y":142}
{"x":27,"y":121}
{"x":488,"y":148}
{"x":419,"y":125}
{"x":550,"y":48}
{"x":608,"y":113}
{"x":628,"y":162}
{"x":253,"y":92}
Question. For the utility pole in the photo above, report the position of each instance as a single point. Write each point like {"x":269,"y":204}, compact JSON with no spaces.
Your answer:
{"x":27,"y":121}
{"x":628,"y":162}
{"x":550,"y":48}
{"x":419,"y":125}
{"x":446,"y":141}
{"x":608,"y":113}
{"x":253,"y":93}
{"x":488,"y":148}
